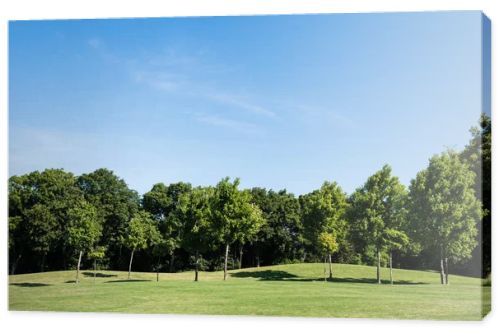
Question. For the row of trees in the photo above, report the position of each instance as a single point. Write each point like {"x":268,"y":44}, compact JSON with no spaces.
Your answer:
{"x":58,"y":220}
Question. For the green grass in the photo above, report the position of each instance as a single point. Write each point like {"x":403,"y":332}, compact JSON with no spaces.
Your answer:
{"x":285,"y":290}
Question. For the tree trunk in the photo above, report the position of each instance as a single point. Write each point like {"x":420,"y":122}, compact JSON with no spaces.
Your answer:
{"x":172,"y":258}
{"x":130,"y":263}
{"x":241,"y":256}
{"x":225,"y":261}
{"x":14,"y":265}
{"x":378,"y":266}
{"x":78,"y":268}
{"x":390,"y":266}
{"x":258,"y":262}
{"x":158,"y":270}
{"x":197,"y":265}
{"x":446,"y":271}
{"x":442,"y":270}
{"x":42,"y":266}
{"x":330,"y":264}
{"x":95,"y":269}
{"x":324,"y":268}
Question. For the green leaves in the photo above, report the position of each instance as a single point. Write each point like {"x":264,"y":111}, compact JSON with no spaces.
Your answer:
{"x":444,"y":208}
{"x":328,"y":242}
{"x":378,"y":213}
{"x":323,"y":213}
{"x":83,"y":229}
{"x":141,"y":232}
{"x":234,"y":216}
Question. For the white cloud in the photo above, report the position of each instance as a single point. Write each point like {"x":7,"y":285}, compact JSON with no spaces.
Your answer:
{"x":241,"y":103}
{"x":160,"y":81}
{"x":238,"y":126}
{"x":94,"y":43}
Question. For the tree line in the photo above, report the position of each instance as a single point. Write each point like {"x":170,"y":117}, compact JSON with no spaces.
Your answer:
{"x":59,"y":221}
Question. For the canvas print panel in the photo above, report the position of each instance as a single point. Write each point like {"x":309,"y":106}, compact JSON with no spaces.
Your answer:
{"x":296,"y":165}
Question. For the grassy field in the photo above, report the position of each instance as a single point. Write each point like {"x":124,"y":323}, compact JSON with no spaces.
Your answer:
{"x":285,"y":290}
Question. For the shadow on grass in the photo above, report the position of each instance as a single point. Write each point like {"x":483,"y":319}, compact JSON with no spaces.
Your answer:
{"x":98,"y":275}
{"x":128,"y":280}
{"x":30,"y":285}
{"x":265,"y":275}
{"x":279,"y":275}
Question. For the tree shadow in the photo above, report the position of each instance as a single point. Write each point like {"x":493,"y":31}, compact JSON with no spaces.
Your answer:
{"x":128,"y":280}
{"x":30,"y":285}
{"x":279,"y":275}
{"x":369,"y":281}
{"x":98,"y":275}
{"x":265,"y":275}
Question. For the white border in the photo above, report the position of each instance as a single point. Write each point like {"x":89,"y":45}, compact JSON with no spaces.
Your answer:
{"x":20,"y":322}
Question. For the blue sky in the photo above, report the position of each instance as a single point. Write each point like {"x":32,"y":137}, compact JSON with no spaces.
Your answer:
{"x":279,"y":101}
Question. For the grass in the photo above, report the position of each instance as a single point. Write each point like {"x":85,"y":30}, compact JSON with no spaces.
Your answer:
{"x":284,"y":290}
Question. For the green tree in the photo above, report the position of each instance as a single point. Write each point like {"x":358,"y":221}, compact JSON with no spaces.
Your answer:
{"x":444,"y":209}
{"x":323,"y":213}
{"x":82,"y":231}
{"x":329,"y":245}
{"x":378,"y":215}
{"x":234,"y":216}
{"x":280,"y":239}
{"x":197,"y":237}
{"x":96,"y":254}
{"x":39,"y":203}
{"x":163,"y":203}
{"x":161,"y":247}
{"x":116,"y":204}
{"x":140,"y":233}
{"x":478,"y":155}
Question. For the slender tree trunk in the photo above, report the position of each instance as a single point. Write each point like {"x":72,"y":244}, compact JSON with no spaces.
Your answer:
{"x":197,"y":266}
{"x":324,"y":268}
{"x":330,"y":265}
{"x":442,"y":266}
{"x":378,"y":266}
{"x":95,"y":269}
{"x":78,"y":268}
{"x":130,"y":263}
{"x":225,"y":261}
{"x":42,"y":266}
{"x":158,"y":270}
{"x":258,"y":262}
{"x":390,"y":266}
{"x":241,"y":256}
{"x":14,"y":265}
{"x":446,"y":271}
{"x":172,"y":258}
{"x":442,"y":271}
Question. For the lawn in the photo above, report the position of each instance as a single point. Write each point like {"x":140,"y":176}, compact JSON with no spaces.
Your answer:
{"x":284,"y":290}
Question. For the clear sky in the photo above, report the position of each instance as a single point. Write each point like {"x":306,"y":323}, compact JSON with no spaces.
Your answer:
{"x":279,"y":101}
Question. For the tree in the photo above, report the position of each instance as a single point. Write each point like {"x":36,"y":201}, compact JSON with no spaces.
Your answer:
{"x":163,"y":203}
{"x":323,"y":218}
{"x":42,"y":230}
{"x":140,"y":233}
{"x":444,"y":209}
{"x":195,"y":208}
{"x":160,"y":248}
{"x":39,"y":203}
{"x":378,"y":215}
{"x":82,"y":231}
{"x":478,"y":155}
{"x":280,"y":238}
{"x":96,"y":254}
{"x":329,"y":245}
{"x":115,"y":203}
{"x":234,"y":216}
